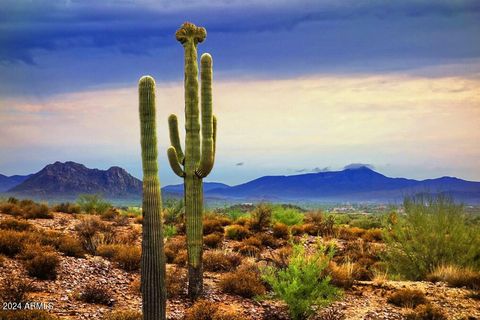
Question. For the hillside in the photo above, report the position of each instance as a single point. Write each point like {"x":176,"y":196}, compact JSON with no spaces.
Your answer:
{"x":70,"y":178}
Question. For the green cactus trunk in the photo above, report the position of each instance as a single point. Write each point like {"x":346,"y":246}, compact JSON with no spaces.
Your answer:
{"x":153,"y":288}
{"x":199,"y":154}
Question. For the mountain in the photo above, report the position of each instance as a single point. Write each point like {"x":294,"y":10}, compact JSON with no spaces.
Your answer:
{"x":7,"y":183}
{"x":354,"y":184}
{"x":71,"y":179}
{"x":357,"y":184}
{"x":207,"y":186}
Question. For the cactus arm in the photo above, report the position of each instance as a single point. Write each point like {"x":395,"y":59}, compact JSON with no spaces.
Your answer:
{"x":153,"y":288}
{"x":173,"y":159}
{"x":175,"y":138}
{"x":207,"y":157}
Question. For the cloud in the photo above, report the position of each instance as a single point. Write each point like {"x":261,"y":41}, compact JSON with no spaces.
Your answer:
{"x":358,"y":165}
{"x":317,"y":169}
{"x":111,"y":43}
{"x":410,"y":122}
{"x":238,"y":164}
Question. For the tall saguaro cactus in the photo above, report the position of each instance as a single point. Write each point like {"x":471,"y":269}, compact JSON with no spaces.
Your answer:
{"x":197,"y":161}
{"x":153,"y":288}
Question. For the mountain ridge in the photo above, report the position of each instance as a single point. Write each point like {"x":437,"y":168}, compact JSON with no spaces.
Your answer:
{"x":361,"y":184}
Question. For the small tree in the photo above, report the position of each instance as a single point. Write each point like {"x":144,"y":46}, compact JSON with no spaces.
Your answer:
{"x":303,"y":282}
{"x":434,"y":231}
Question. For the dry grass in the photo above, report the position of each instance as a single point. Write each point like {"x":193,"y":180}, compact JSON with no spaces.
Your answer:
{"x":123,"y":315}
{"x":426,"y":312}
{"x":219,"y":261}
{"x":409,"y":298}
{"x":41,"y":262}
{"x":97,"y":294}
{"x":207,"y":310}
{"x":71,"y":247}
{"x":236,"y":232}
{"x":213,"y":240}
{"x":15,"y":224}
{"x":176,"y":281}
{"x":280,"y":231}
{"x":11,"y":242}
{"x":127,"y":257}
{"x":342,"y":274}
{"x":456,"y":276}
{"x":245,"y":282}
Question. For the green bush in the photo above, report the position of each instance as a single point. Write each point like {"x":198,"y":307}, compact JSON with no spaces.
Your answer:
{"x":235,"y":214}
{"x":93,"y":204}
{"x":67,"y":207}
{"x":288,"y":216}
{"x":261,"y":217}
{"x":302,"y":283}
{"x":433,"y":232}
{"x":169,"y":230}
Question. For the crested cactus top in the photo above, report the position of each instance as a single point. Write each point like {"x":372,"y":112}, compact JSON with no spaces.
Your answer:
{"x":189,"y":31}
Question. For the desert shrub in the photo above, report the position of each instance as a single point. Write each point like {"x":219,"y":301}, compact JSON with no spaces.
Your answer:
{"x":37,"y":211}
{"x":93,"y":204}
{"x":126,"y":256}
{"x":181,"y":258}
{"x":15,"y":289}
{"x":342,"y":274}
{"x":297,"y":230}
{"x":268,"y":240}
{"x":71,"y":247}
{"x":176,"y":281}
{"x":138,"y":220}
{"x":43,"y":265}
{"x":279,"y":258}
{"x":96,"y":293}
{"x":243,"y":221}
{"x":93,"y":232}
{"x":15,"y":224}
{"x":433,"y":232}
{"x":169,"y":230}
{"x":111,"y":214}
{"x":351,"y":233}
{"x":173,"y":246}
{"x":373,"y":235}
{"x":235,"y":214}
{"x":261,"y":217}
{"x":245,"y":282}
{"x":317,"y":224}
{"x":10,"y":208}
{"x":409,"y":298}
{"x":280,"y":231}
{"x":123,"y":315}
{"x":27,"y":315}
{"x":174,"y":211}
{"x":248,"y":250}
{"x":303,"y":277}
{"x":218,"y":260}
{"x":456,"y":276}
{"x":67,"y":207}
{"x":11,"y":242}
{"x":207,"y":310}
{"x":288,"y":216}
{"x":252,"y":241}
{"x":236,"y":232}
{"x":211,"y":225}
{"x":213,"y":240}
{"x":426,"y":312}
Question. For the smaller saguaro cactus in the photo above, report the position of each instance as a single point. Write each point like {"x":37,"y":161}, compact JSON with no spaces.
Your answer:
{"x":153,"y":288}
{"x":197,"y":161}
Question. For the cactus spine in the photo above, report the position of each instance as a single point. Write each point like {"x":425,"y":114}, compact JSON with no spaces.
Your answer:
{"x":197,"y":161}
{"x":153,"y":256}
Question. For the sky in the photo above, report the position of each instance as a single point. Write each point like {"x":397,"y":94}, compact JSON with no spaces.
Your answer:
{"x":299,"y":86}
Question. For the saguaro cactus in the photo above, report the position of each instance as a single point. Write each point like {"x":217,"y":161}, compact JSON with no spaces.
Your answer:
{"x":197,"y":161}
{"x":153,"y":288}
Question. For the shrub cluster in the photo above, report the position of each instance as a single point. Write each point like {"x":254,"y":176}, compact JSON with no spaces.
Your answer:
{"x":302,"y":277}
{"x":96,"y":293}
{"x":245,"y":282}
{"x":93,"y":204}
{"x":27,"y":209}
{"x":434,"y":231}
{"x":67,"y":207}
{"x":409,"y":298}
{"x":236,"y":232}
{"x":218,"y":260}
{"x":127,"y":257}
{"x":207,"y":310}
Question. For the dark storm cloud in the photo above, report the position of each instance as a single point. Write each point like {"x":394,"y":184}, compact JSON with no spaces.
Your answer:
{"x":272,"y":39}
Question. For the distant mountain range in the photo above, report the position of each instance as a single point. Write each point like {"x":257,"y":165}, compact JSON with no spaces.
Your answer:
{"x":71,"y":179}
{"x":6,"y":183}
{"x":359,"y":184}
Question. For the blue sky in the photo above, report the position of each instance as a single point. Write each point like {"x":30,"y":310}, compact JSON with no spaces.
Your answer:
{"x":372,"y":72}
